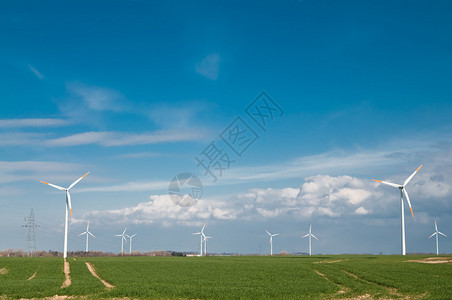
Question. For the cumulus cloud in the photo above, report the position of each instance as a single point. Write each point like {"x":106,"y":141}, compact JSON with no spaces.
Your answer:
{"x":161,"y":209}
{"x":209,"y":67}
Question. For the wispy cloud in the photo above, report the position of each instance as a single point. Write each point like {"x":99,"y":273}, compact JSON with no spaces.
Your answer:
{"x":209,"y":67}
{"x":37,"y":170}
{"x":36,"y":72}
{"x":109,"y":138}
{"x":19,"y":123}
{"x":98,"y":98}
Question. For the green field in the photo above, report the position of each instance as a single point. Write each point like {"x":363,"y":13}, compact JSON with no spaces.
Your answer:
{"x":240,"y":277}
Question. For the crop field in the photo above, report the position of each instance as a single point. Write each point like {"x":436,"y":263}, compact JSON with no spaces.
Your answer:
{"x":240,"y":277}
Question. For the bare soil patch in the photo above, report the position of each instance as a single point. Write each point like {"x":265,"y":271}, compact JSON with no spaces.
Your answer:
{"x":433,"y":260}
{"x":3,"y":271}
{"x":67,"y":281}
{"x":93,"y":272}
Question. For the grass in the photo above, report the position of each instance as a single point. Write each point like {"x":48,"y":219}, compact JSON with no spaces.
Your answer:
{"x":277,"y":277}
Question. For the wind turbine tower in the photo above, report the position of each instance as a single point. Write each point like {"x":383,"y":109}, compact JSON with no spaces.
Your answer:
{"x":123,"y":239}
{"x":68,"y":205}
{"x":201,"y":234}
{"x":87,"y":235}
{"x":271,"y":241}
{"x":130,"y":239}
{"x":309,"y":235}
{"x":403,"y":193}
{"x":437,"y":233}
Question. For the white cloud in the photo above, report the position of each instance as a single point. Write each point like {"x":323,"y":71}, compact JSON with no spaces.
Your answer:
{"x":162,"y":210}
{"x":15,"y":123}
{"x":361,"y":211}
{"x":209,"y":67}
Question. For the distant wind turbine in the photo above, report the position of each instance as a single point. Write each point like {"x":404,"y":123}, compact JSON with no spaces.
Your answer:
{"x":201,"y":233}
{"x":123,"y":239}
{"x":437,"y":233}
{"x":309,"y":235}
{"x":87,"y":235}
{"x":68,"y":204}
{"x":130,"y":239}
{"x":271,"y":241}
{"x":205,"y":243}
{"x":403,"y":193}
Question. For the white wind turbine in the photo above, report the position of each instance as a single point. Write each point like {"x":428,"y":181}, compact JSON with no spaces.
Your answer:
{"x":68,"y":204}
{"x":205,"y":243}
{"x":309,"y":235}
{"x":87,"y":235}
{"x":436,"y":233}
{"x":123,"y":239}
{"x":130,"y":238}
{"x":201,"y":233}
{"x":271,"y":241}
{"x":403,"y":193}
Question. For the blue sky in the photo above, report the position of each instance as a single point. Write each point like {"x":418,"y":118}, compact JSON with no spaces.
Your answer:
{"x":134,"y":91}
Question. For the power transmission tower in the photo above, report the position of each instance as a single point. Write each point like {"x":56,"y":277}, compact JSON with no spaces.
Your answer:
{"x":31,"y":238}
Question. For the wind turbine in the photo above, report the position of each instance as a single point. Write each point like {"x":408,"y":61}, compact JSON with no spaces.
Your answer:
{"x":309,"y":235}
{"x":271,"y":241}
{"x":68,"y":203}
{"x":436,"y":233}
{"x":123,"y":239}
{"x":87,"y":235}
{"x":403,"y":193}
{"x":205,"y":243}
{"x":130,"y":238}
{"x":201,"y":234}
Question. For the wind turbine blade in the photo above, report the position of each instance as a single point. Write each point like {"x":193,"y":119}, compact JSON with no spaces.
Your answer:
{"x":82,"y":233}
{"x":388,"y":183}
{"x":87,"y":227}
{"x":268,"y":232}
{"x":196,"y":233}
{"x":91,"y":234}
{"x":432,"y":235}
{"x":55,"y":186}
{"x":306,"y":235}
{"x":124,"y":232}
{"x":202,"y":230}
{"x":314,"y":236}
{"x":133,"y":235}
{"x":442,"y":233}
{"x":436,"y":227}
{"x":275,"y":234}
{"x":125,"y":240}
{"x":75,"y":182}
{"x":411,"y":176}
{"x":68,"y":198}
{"x":118,"y":235}
{"x":408,"y":200}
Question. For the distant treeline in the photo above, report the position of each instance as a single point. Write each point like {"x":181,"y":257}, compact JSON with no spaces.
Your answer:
{"x":51,"y":253}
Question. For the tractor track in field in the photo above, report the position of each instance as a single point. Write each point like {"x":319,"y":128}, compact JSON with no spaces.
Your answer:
{"x":390,"y":290}
{"x":67,"y":271}
{"x":94,"y":273}
{"x":342,"y":289}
